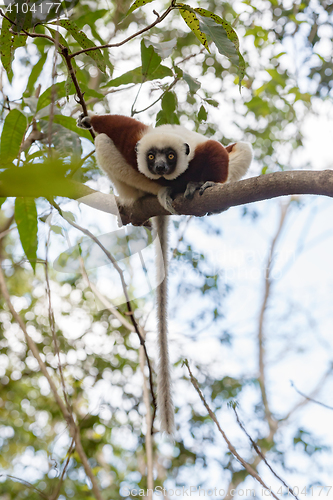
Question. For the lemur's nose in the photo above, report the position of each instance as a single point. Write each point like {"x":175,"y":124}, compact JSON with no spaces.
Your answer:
{"x":161,"y":168}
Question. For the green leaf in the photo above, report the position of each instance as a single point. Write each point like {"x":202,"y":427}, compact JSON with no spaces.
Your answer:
{"x":193,"y":84}
{"x":68,"y":215}
{"x":12,"y":135}
{"x":135,"y":76}
{"x":90,"y":17}
{"x":56,"y":229}
{"x":90,"y":92}
{"x":163,"y":49}
{"x":55,"y":91}
{"x":150,"y":60}
{"x":19,"y":41}
{"x":35,"y":72}
{"x":169,"y":102}
{"x":163,"y":118}
{"x":220,"y":38}
{"x":6,"y":47}
{"x":56,"y":35}
{"x":190,"y":99}
{"x":84,"y":42}
{"x":224,"y":37}
{"x":137,"y":4}
{"x":278,"y":78}
{"x":26,"y":220}
{"x":192,"y":22}
{"x":231,"y":33}
{"x":70,"y":124}
{"x":22,"y":20}
{"x":45,"y":179}
{"x":258,"y":106}
{"x":167,"y":113}
{"x":202,"y":115}
{"x":212,"y":102}
{"x":68,"y":85}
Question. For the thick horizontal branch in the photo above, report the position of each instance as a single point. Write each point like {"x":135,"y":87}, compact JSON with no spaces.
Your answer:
{"x":18,"y":182}
{"x":223,"y":196}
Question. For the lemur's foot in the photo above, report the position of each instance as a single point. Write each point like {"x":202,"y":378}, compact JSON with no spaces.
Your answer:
{"x":192,"y":187}
{"x":84,"y":121}
{"x":206,"y":185}
{"x":165,"y":198}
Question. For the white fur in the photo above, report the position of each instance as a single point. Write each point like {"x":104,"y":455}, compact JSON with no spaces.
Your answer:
{"x":164,"y":396}
{"x":164,"y":136}
{"x":129,"y":183}
{"x":239,"y":160}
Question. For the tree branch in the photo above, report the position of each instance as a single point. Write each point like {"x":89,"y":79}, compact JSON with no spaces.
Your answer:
{"x":261,"y":337}
{"x":223,"y":196}
{"x":130,"y":310}
{"x":74,"y":430}
{"x":259,"y":452}
{"x":230,"y":446}
{"x":149,"y":424}
{"x":19,"y":182}
{"x":119,"y":44}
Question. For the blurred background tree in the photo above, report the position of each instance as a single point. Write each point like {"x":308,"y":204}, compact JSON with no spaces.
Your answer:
{"x":250,"y":289}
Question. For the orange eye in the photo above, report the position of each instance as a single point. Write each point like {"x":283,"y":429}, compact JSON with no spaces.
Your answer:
{"x":151,"y":157}
{"x":171,"y":156}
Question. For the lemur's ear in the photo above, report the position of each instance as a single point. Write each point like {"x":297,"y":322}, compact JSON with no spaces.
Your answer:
{"x":84,"y":121}
{"x":136,"y":147}
{"x":187,"y":149}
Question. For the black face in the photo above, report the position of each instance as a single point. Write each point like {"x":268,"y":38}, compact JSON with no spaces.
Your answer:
{"x":161,"y":161}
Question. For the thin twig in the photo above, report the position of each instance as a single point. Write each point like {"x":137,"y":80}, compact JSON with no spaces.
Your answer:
{"x":259,"y":452}
{"x":172,"y":84}
{"x":23,"y":32}
{"x":33,"y":347}
{"x":106,"y":303}
{"x":56,"y":493}
{"x":149,"y":423}
{"x":53,"y":93}
{"x":26,"y":483}
{"x":124,"y":287}
{"x":262,"y":382}
{"x":67,"y":416}
{"x":67,"y":57}
{"x":119,"y":44}
{"x":52,"y":325}
{"x":35,"y":135}
{"x":5,"y":229}
{"x":231,"y":448}
{"x":312,"y":400}
{"x":65,"y":53}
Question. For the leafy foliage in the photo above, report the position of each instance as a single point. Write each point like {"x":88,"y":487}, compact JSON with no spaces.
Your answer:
{"x":12,"y":136}
{"x":205,"y":54}
{"x":26,"y":220}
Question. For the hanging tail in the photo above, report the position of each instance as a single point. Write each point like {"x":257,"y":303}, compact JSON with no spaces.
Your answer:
{"x":164,"y":397}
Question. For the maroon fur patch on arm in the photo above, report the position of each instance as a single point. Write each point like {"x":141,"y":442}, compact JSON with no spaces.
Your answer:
{"x":125,"y":132}
{"x":210,"y":163}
